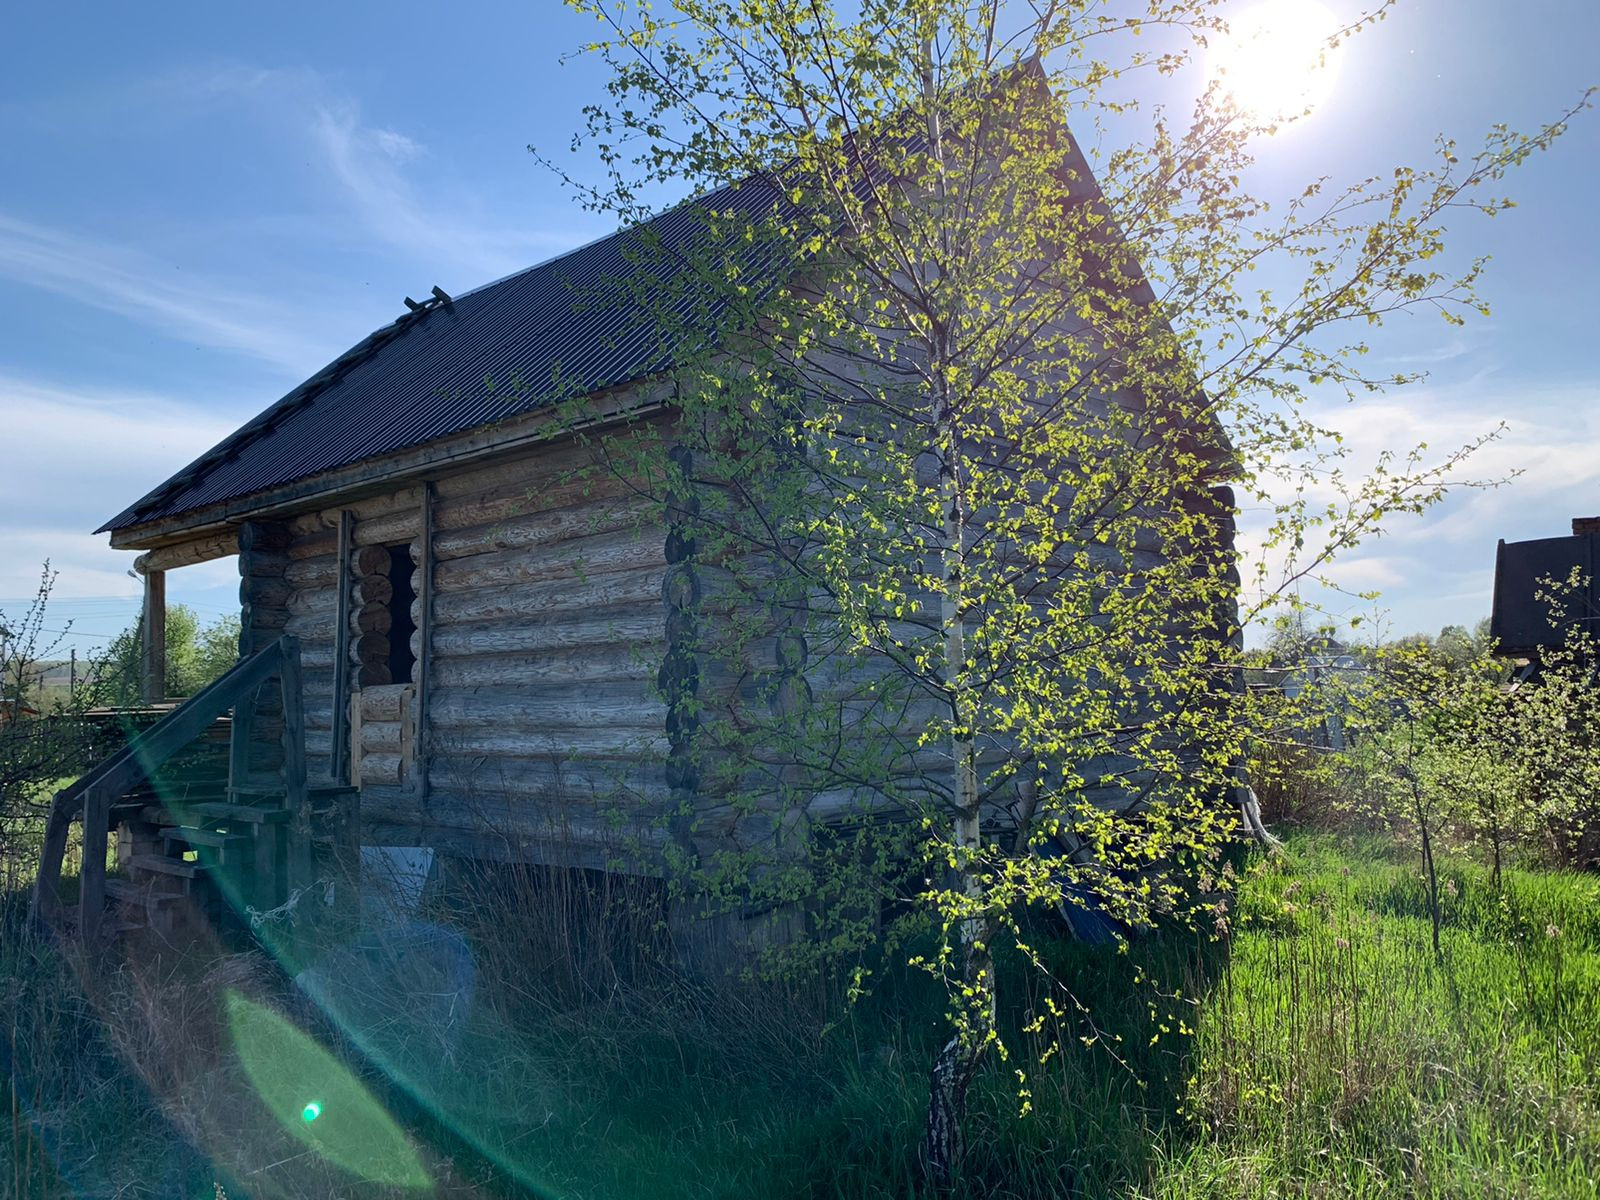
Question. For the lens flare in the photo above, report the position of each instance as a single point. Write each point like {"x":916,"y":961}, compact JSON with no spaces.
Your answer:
{"x":1275,"y":62}
{"x":346,"y":1125}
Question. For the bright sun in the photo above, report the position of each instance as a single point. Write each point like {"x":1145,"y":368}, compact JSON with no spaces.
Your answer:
{"x":1275,"y":62}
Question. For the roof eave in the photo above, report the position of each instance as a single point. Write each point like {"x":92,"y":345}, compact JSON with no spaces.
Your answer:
{"x":484,"y":442}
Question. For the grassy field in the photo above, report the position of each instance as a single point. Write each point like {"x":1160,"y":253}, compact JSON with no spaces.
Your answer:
{"x":1321,"y":1051}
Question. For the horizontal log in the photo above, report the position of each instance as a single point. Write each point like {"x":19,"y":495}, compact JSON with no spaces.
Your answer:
{"x":319,"y":601}
{"x":313,"y":574}
{"x":310,"y":627}
{"x":264,"y":564}
{"x":473,"y":741}
{"x":380,"y":769}
{"x":638,"y":624}
{"x":576,"y":558}
{"x":383,"y":703}
{"x":256,"y":536}
{"x":587,"y":664}
{"x":264,"y":593}
{"x":402,"y":525}
{"x":495,"y":805}
{"x":314,"y":545}
{"x":260,"y":617}
{"x":170,"y":558}
{"x":381,"y":737}
{"x":316,"y":656}
{"x":587,"y":779}
{"x":521,"y":601}
{"x":505,"y":709}
{"x":546,"y":526}
{"x":514,"y":502}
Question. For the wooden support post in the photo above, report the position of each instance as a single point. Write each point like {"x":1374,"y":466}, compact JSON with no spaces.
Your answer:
{"x":296,"y":799}
{"x":425,"y":637}
{"x":244,"y":718}
{"x":154,"y":627}
{"x":92,"y":874}
{"x":339,"y":768}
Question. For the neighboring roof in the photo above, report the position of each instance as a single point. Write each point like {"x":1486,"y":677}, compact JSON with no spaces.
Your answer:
{"x":568,"y":327}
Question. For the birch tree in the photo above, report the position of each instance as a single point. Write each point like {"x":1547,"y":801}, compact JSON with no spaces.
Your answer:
{"x":962,"y":430}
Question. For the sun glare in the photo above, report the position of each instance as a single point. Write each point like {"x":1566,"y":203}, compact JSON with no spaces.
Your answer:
{"x":1275,"y":62}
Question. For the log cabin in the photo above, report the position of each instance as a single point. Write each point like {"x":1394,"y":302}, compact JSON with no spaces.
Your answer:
{"x":455,"y":629}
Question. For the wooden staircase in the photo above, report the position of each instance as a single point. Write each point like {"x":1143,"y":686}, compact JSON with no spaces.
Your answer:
{"x":199,"y":836}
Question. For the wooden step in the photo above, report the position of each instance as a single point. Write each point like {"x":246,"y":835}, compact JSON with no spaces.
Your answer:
{"x":129,"y":892}
{"x":160,"y":864}
{"x":244,"y":795}
{"x":209,"y":838}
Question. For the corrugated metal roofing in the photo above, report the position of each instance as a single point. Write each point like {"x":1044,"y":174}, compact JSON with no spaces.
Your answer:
{"x":570,"y":326}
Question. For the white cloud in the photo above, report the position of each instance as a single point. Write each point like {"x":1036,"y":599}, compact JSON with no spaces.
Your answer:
{"x":1437,"y":568}
{"x":76,"y":456}
{"x":154,"y":293}
{"x":447,"y":231}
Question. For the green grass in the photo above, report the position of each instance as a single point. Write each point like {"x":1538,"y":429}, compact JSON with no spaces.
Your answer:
{"x":1326,"y":1054}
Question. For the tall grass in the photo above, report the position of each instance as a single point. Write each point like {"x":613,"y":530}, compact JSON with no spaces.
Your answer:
{"x":1319,"y":1050}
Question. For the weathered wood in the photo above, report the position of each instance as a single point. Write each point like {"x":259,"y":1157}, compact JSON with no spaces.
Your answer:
{"x":186,"y":554}
{"x":512,"y":503}
{"x":369,"y":560}
{"x":340,"y":768}
{"x":544,"y":527}
{"x":396,"y":522}
{"x":581,"y":557}
{"x":378,"y":770}
{"x":264,"y":592}
{"x":623,"y":782}
{"x":640,"y":623}
{"x":373,"y":674}
{"x":373,"y":589}
{"x":92,"y":871}
{"x":422,"y":553}
{"x":240,"y":734}
{"x":255,"y":536}
{"x":313,"y":546}
{"x":382,"y":703}
{"x":371,"y":619}
{"x":590,"y":664}
{"x":320,"y":602}
{"x":296,"y":799}
{"x":471,"y":739}
{"x":381,"y":737}
{"x":536,"y":600}
{"x":266,"y":621}
{"x":528,"y":708}
{"x":153,"y":630}
{"x":313,"y":574}
{"x":263,"y":564}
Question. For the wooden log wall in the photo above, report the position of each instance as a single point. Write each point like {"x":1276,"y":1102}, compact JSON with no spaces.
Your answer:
{"x":264,"y":593}
{"x":545,"y":628}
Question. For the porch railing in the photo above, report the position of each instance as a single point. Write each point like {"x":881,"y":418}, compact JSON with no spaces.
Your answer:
{"x":92,"y":797}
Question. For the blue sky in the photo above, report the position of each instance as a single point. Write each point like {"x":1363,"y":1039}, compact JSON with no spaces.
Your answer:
{"x":204,"y":203}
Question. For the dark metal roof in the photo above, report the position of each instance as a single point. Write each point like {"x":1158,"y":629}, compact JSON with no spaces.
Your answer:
{"x":588,"y":320}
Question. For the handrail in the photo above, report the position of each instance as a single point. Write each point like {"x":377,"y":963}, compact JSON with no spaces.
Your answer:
{"x":151,"y":748}
{"x":94,"y":792}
